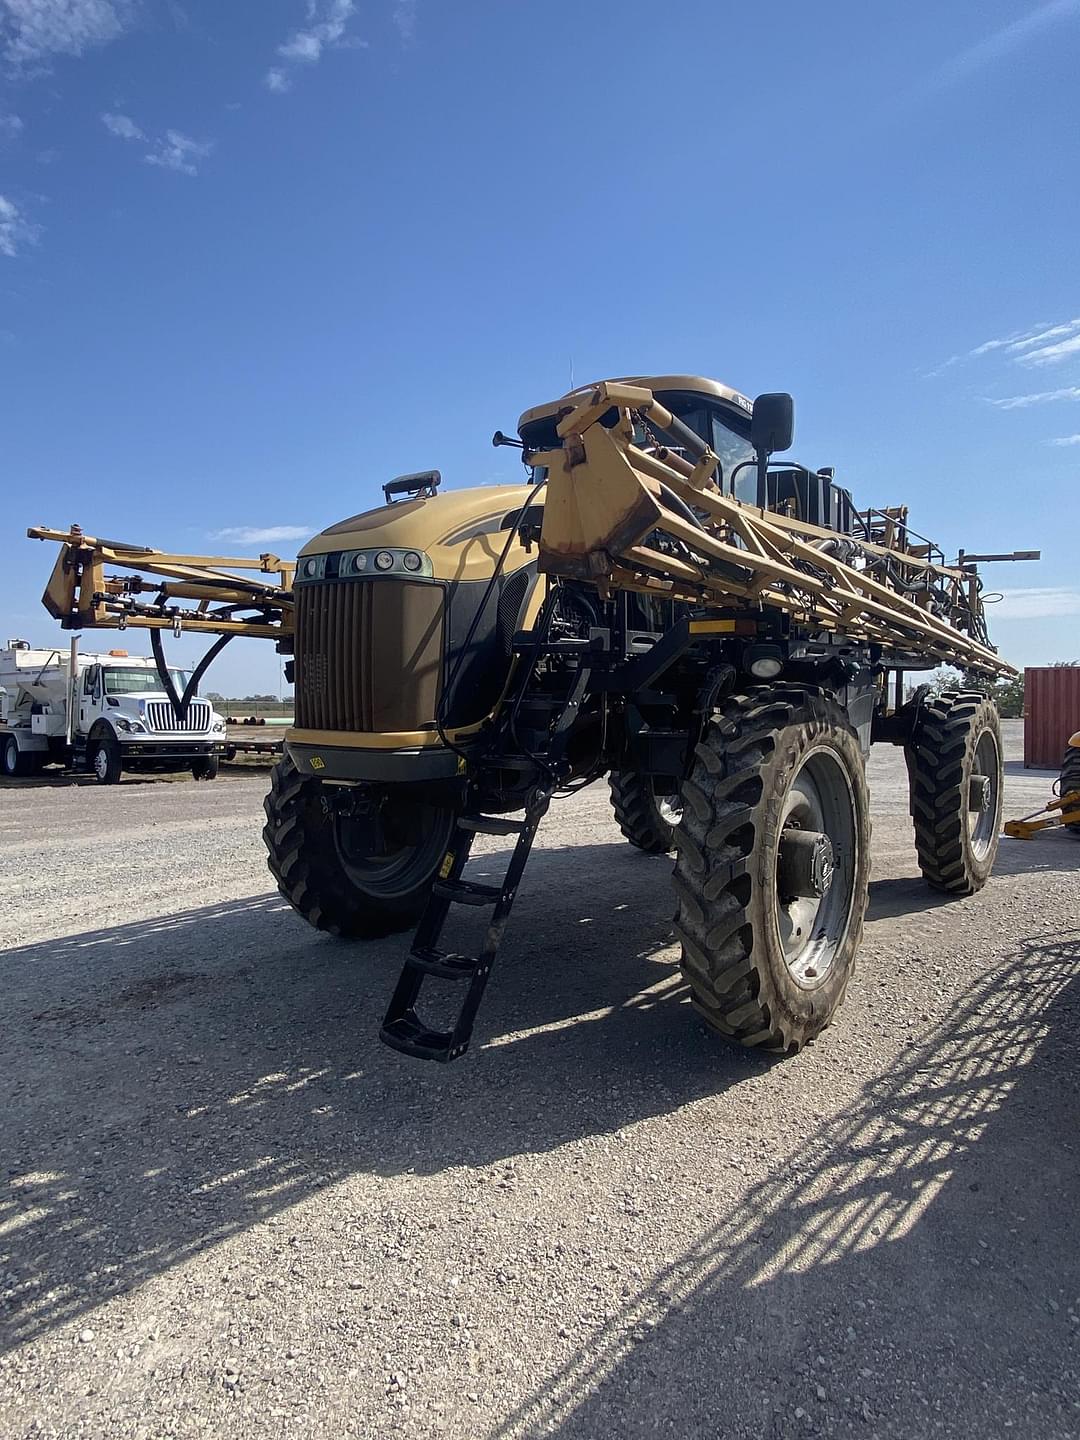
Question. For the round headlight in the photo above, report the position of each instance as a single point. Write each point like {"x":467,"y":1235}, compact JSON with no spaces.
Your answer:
{"x":310,"y":566}
{"x":359,"y":562}
{"x":384,"y":560}
{"x":411,"y":560}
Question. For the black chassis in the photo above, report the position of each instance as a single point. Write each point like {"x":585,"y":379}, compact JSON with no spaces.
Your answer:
{"x":648,"y":692}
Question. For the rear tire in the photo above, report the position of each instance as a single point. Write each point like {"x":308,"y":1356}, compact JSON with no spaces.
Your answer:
{"x":205,"y":767}
{"x":1070,"y":780}
{"x":309,"y":856}
{"x":16,"y":762}
{"x":956,"y":786}
{"x":646,"y":819}
{"x":778,"y":770}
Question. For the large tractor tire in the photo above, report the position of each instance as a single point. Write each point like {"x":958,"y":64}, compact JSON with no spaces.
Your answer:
{"x":1070,"y":780}
{"x":773,"y":864}
{"x":647,"y":819}
{"x":352,"y":875}
{"x":956,"y":784}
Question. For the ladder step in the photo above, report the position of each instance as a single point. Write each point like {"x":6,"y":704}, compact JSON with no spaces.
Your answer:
{"x":467,"y":892}
{"x":490,"y":825}
{"x":412,"y":1037}
{"x":444,"y":963}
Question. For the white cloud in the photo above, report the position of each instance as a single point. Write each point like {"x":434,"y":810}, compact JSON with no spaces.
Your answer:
{"x":1065,"y":440}
{"x":179,"y":152}
{"x":267,"y":535}
{"x":15,"y":230}
{"x":10,"y":126}
{"x":1051,"y":354}
{"x":1041,"y":397}
{"x":1003,"y":42}
{"x":305,"y":47}
{"x":405,"y":19}
{"x":33,"y":30}
{"x":122,"y":126}
{"x":1036,"y":604}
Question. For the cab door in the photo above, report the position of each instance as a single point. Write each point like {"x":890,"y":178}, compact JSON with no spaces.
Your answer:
{"x":89,"y":696}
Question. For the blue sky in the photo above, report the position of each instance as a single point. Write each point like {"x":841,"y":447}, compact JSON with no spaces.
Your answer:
{"x":256,"y":258}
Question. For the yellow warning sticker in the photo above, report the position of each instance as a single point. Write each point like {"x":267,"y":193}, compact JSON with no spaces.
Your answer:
{"x":447,"y":865}
{"x":318,"y":763}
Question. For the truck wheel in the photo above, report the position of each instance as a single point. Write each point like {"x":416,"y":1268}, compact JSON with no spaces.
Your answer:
{"x":956,"y":786}
{"x":773,"y":864}
{"x":16,"y":761}
{"x":648,"y":820}
{"x":104,"y":757}
{"x":205,"y":767}
{"x":359,"y":877}
{"x":1070,"y":780}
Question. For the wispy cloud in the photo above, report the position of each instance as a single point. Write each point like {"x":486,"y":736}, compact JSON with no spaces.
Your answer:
{"x":1053,"y":354}
{"x":10,"y":127}
{"x":1002,"y":43}
{"x":171,"y":151}
{"x":32,"y":31}
{"x":1042,"y":344}
{"x":328,"y":21}
{"x":122,"y":126}
{"x":1065,"y":440}
{"x":404,"y":17}
{"x":16,"y":231}
{"x":1041,"y":397}
{"x":266,"y":535}
{"x":179,"y":152}
{"x":1037,"y":604}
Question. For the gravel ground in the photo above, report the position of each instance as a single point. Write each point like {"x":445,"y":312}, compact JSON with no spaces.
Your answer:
{"x":228,"y":1211}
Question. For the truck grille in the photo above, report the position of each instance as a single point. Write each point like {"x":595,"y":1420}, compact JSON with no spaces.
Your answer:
{"x":162,"y":718}
{"x":368,"y":654}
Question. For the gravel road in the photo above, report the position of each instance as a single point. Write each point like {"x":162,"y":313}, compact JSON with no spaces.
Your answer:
{"x":228,"y":1211}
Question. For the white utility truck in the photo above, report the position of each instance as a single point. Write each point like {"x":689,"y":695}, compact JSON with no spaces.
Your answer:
{"x":100,"y":713}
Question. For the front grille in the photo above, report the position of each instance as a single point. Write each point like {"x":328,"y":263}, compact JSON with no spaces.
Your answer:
{"x":368,"y":654}
{"x":162,"y":718}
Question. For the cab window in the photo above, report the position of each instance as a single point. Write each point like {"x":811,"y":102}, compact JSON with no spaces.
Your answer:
{"x":90,"y":679}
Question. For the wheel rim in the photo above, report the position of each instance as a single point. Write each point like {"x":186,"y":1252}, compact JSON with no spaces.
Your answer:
{"x":983,"y":785}
{"x":819,"y":807}
{"x":392,"y":850}
{"x":11,"y":754}
{"x":101,"y":762}
{"x":669,"y":808}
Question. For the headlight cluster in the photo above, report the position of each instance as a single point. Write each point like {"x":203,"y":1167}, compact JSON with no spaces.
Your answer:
{"x":346,"y":564}
{"x":129,"y":727}
{"x":218,"y":727}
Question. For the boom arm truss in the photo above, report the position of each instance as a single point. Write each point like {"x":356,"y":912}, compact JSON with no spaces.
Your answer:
{"x":81,"y":595}
{"x":627,"y":517}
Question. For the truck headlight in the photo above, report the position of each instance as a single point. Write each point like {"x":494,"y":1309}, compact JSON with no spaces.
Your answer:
{"x":218,"y":727}
{"x":130,"y":727}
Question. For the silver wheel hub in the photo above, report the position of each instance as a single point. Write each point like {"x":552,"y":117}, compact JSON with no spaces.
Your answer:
{"x":816,"y":860}
{"x":984,"y":782}
{"x":101,"y":762}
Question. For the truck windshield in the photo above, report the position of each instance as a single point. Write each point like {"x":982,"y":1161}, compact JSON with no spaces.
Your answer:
{"x":127,"y":680}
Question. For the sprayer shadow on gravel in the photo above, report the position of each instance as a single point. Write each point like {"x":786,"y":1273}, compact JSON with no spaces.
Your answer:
{"x":172,"y":1082}
{"x":910,"y":1269}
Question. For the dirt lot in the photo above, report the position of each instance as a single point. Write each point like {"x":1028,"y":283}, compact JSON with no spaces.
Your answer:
{"x":228,"y":1211}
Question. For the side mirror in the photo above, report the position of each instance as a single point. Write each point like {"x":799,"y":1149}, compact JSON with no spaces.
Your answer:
{"x":772,"y":426}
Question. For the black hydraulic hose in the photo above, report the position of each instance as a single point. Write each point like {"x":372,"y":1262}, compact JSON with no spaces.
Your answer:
{"x":680,"y":507}
{"x":448,"y":689}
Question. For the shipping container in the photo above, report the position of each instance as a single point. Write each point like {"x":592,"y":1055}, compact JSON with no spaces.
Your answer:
{"x":1051,"y":713}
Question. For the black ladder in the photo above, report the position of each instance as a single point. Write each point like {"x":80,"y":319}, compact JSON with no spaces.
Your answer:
{"x":402,"y":1027}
